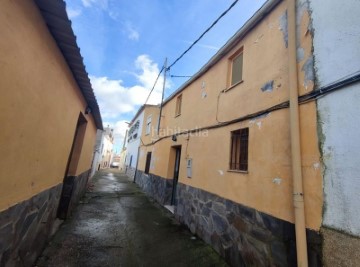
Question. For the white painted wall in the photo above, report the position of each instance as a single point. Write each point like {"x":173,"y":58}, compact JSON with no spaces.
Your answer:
{"x":133,"y":145}
{"x":336,"y":38}
{"x":337,"y":55}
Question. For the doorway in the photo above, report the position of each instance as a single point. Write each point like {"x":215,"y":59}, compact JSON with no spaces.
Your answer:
{"x":148,"y":161}
{"x":71,"y":167}
{"x":176,"y":173}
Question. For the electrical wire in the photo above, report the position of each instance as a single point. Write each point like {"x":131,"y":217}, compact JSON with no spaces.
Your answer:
{"x":190,"y":47}
{"x":312,"y":96}
{"x":202,"y":35}
{"x":157,"y":78}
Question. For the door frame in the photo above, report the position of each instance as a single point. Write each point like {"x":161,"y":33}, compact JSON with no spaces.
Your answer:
{"x":176,"y":173}
{"x":71,"y":166}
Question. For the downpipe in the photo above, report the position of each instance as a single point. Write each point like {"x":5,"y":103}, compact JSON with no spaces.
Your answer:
{"x":298,"y":194}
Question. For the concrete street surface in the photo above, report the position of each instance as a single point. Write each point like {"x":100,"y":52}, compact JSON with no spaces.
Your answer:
{"x":116,"y":224}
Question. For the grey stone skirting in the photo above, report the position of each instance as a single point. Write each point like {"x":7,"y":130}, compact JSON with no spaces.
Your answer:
{"x":26,"y":227}
{"x":73,"y":189}
{"x":242,"y":235}
{"x":155,"y":186}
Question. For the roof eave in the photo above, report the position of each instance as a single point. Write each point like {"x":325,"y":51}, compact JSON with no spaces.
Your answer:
{"x":59,"y":25}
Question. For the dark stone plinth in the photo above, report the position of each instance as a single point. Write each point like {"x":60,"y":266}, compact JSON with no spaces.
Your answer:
{"x":26,"y":227}
{"x":73,"y":189}
{"x":155,"y":186}
{"x":242,"y":235}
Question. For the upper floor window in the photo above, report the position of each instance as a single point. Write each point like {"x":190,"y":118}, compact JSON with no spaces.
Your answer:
{"x":236,"y":66}
{"x":148,"y":125}
{"x":178,"y":105}
{"x":239,"y":150}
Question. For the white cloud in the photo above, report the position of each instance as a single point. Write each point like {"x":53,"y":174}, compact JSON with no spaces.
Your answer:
{"x":73,"y":13}
{"x":116,"y":99}
{"x":131,"y":32}
{"x":133,"y":35}
{"x":103,"y":4}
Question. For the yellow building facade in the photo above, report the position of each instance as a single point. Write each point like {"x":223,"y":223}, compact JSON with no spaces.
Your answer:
{"x":49,"y":117}
{"x":240,"y":200}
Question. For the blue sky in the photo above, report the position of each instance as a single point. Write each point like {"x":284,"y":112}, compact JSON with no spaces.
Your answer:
{"x":124,"y":44}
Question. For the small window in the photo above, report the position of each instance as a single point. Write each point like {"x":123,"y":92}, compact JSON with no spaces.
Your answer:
{"x":239,"y":150}
{"x":178,"y":105}
{"x":148,"y":125}
{"x":236,"y":68}
{"x":148,"y":161}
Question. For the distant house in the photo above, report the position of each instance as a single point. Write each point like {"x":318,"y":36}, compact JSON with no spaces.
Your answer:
{"x":98,"y":148}
{"x":107,"y":148}
{"x":49,"y":117}
{"x":234,"y":162}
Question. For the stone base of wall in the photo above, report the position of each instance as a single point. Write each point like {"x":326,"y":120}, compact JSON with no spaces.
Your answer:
{"x":242,"y":235}
{"x":340,"y":249}
{"x":26,"y":227}
{"x":73,"y":189}
{"x":155,"y":186}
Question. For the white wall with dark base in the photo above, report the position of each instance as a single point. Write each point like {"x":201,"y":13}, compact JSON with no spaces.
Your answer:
{"x":337,"y":56}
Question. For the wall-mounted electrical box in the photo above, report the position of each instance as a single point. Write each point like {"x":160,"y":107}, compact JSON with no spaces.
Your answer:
{"x":189,"y":167}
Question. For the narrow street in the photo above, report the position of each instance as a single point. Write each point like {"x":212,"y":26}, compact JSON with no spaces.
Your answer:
{"x":115,"y":224}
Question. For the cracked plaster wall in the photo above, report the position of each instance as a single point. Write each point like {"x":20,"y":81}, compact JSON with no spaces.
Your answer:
{"x":337,"y":55}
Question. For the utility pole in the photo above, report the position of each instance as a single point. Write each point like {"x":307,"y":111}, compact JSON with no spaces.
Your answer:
{"x":162,"y":97}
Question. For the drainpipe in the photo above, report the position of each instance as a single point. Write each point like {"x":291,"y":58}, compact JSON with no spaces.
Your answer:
{"x":298,"y":195}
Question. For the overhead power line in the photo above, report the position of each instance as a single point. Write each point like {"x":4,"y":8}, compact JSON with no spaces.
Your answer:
{"x":201,"y":36}
{"x":191,"y":46}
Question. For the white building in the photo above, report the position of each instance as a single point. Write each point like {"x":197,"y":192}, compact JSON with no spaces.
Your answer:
{"x":97,"y":152}
{"x":336,"y":60}
{"x":133,"y":142}
{"x":107,"y":147}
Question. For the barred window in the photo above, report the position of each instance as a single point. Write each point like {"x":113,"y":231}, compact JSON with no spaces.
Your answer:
{"x":239,"y":150}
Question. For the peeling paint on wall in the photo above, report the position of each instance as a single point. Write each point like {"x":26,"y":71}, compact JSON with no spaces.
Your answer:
{"x":258,"y":39}
{"x":277,"y":180}
{"x":308,"y":69}
{"x":300,"y":54}
{"x":259,"y":117}
{"x":203,"y":91}
{"x":316,"y":166}
{"x":268,"y":87}
{"x":302,"y":6}
{"x":283,"y":26}
{"x":258,"y":123}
